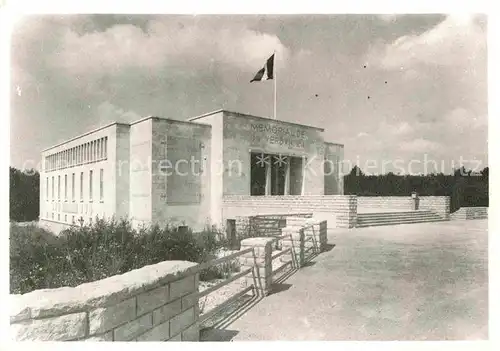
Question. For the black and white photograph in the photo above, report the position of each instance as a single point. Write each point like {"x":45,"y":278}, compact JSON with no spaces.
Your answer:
{"x":248,"y":177}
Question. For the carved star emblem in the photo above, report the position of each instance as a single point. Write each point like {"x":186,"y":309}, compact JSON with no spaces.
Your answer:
{"x":263,"y":160}
{"x":280,"y":160}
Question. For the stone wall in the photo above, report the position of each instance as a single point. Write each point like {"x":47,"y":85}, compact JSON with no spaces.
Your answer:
{"x":264,"y":225}
{"x":154,"y":303}
{"x":339,"y":210}
{"x":438,"y":204}
{"x":466,"y":213}
{"x":385,"y":202}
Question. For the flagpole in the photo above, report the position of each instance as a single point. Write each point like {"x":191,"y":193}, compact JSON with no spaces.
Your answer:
{"x":275,"y":79}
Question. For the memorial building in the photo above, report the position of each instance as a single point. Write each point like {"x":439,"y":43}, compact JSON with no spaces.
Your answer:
{"x":160,"y":170}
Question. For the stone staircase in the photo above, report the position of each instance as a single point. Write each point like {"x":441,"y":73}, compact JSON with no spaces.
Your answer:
{"x":400,"y":217}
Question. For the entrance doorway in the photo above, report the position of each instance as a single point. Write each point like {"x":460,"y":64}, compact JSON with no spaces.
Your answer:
{"x":273,"y":174}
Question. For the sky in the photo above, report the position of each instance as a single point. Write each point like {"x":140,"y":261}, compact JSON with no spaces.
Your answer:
{"x":403,"y":93}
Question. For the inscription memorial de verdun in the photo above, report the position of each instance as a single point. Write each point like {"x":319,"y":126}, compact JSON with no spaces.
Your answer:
{"x":290,"y":137}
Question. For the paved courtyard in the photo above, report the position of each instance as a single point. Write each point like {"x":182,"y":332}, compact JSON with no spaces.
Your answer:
{"x":407,"y":282}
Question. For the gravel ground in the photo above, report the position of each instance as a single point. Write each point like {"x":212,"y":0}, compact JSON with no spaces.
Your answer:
{"x":221,"y":295}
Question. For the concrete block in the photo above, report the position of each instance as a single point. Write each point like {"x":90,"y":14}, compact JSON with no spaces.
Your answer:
{"x":160,"y":332}
{"x":192,"y":333}
{"x":61,"y":328}
{"x":178,"y":337}
{"x":101,"y":337}
{"x":150,"y":300}
{"x":167,"y":311}
{"x":104,"y":319}
{"x":189,"y":300}
{"x":182,"y":287}
{"x":181,"y":321}
{"x":133,"y":328}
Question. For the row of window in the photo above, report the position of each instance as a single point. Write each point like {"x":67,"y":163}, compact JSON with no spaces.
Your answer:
{"x":89,"y":152}
{"x":73,"y":184}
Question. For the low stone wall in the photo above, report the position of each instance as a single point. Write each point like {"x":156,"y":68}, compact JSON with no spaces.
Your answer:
{"x":264,"y":225}
{"x":385,"y":202}
{"x":339,"y":210}
{"x":154,"y":303}
{"x":467,"y":213}
{"x":438,"y":204}
{"x":314,"y":229}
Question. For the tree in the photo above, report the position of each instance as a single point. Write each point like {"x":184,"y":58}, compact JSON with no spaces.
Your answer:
{"x":24,"y":195}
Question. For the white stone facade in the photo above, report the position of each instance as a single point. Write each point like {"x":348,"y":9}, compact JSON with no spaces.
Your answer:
{"x":159,"y":170}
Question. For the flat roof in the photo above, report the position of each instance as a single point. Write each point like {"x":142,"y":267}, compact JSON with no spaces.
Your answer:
{"x":84,"y":134}
{"x":257,"y":117}
{"x":123,"y":124}
{"x":168,"y":119}
{"x":337,"y":144}
{"x":189,"y":120}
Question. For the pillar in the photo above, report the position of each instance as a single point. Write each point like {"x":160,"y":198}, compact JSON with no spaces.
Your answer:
{"x":287,"y":177}
{"x":294,"y":240}
{"x":268,"y":178}
{"x":414,"y":196}
{"x":260,"y":261}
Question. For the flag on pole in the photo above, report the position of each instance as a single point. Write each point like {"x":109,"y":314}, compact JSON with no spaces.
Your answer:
{"x":267,"y":72}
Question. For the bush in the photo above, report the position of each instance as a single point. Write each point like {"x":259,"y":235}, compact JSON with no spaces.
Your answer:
{"x":39,"y":259}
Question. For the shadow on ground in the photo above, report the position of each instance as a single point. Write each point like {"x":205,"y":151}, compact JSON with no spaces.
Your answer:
{"x":215,"y":334}
{"x":279,"y":287}
{"x":329,"y":247}
{"x":218,"y":331}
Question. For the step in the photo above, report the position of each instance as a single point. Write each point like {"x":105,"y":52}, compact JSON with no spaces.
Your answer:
{"x":374,"y":220}
{"x":402,"y":216}
{"x":390,"y":214}
{"x":387,"y":223}
{"x":397,"y":218}
{"x":428,"y":215}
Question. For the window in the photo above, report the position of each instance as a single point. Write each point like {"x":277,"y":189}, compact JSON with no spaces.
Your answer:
{"x":52,"y":188}
{"x":47,"y":188}
{"x":58,"y":216}
{"x":73,"y":219}
{"x":90,"y":185}
{"x":65,"y":187}
{"x":58,"y":187}
{"x":85,"y":153}
{"x":98,"y":149}
{"x":73,"y":187}
{"x":65,"y":218}
{"x":105,"y":147}
{"x":101,"y":185}
{"x":81,"y":186}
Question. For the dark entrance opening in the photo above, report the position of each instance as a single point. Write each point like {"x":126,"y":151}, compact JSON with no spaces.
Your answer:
{"x":258,"y":175}
{"x":275,"y":174}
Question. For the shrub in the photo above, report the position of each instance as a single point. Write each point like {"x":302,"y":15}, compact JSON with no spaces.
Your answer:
{"x":39,"y":259}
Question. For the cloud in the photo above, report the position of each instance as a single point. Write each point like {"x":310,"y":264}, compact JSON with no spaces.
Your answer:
{"x":419,"y":145}
{"x":458,"y":40}
{"x":165,"y":44}
{"x":107,"y":112}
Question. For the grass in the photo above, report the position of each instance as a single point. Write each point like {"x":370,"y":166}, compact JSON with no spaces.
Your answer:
{"x":39,"y":259}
